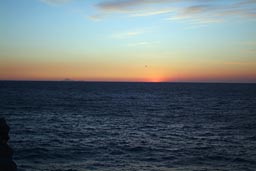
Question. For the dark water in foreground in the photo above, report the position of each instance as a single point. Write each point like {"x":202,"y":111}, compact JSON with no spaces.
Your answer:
{"x":76,"y":126}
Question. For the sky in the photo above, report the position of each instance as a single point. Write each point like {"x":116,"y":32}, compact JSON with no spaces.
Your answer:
{"x":128,"y":40}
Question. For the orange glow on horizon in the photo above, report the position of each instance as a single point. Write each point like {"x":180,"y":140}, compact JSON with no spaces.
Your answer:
{"x":156,"y":80}
{"x":27,"y":70}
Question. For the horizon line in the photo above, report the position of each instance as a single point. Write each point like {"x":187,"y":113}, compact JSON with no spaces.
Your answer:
{"x":102,"y":81}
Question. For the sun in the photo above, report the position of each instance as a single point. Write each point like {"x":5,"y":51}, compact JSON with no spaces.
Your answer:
{"x":155,"y":80}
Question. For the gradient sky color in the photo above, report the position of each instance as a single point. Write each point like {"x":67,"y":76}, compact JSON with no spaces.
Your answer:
{"x":128,"y":40}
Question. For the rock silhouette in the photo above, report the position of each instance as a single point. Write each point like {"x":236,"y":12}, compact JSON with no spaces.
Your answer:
{"x":6,"y":162}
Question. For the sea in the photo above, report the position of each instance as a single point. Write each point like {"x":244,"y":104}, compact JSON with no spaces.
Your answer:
{"x":111,"y":126}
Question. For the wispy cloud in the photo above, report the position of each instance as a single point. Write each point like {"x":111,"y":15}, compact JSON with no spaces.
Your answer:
{"x":152,"y":12}
{"x":143,"y":43}
{"x":124,"y":5}
{"x":197,"y":11}
{"x":125,"y":35}
{"x":129,"y":34}
{"x":195,"y":15}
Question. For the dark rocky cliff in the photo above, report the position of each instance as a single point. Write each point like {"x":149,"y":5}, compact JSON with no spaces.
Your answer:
{"x":6,"y":153}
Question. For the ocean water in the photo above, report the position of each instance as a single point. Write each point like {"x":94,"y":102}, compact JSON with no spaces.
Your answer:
{"x":86,"y":126}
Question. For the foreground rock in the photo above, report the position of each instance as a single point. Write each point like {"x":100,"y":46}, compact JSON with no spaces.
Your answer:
{"x":6,"y":163}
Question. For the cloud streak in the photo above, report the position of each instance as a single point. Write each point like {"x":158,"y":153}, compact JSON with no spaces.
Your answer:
{"x":197,"y":11}
{"x":152,"y":12}
{"x":124,"y":5}
{"x":143,"y":44}
{"x":129,"y":34}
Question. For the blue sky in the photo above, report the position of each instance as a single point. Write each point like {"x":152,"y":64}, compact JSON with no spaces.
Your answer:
{"x":186,"y":40}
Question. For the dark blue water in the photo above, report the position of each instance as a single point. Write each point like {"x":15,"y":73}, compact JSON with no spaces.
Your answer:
{"x":79,"y":126}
